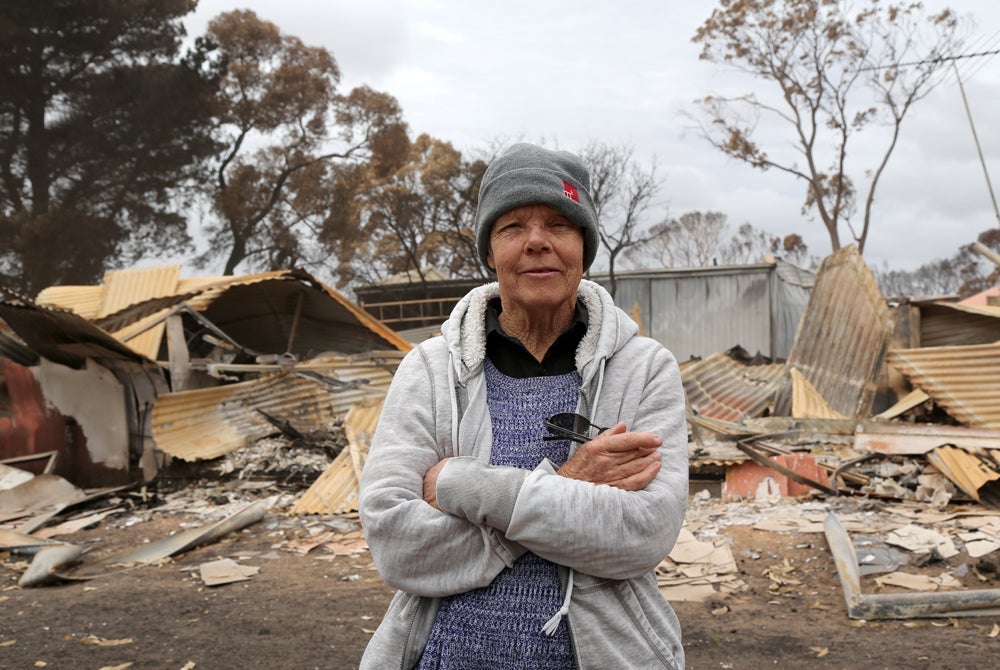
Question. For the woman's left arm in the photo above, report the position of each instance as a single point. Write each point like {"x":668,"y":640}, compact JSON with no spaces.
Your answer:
{"x":598,"y":529}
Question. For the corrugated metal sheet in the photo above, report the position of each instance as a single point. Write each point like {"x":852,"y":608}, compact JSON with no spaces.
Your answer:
{"x":84,"y":300}
{"x":964,"y":381}
{"x":700,"y":315}
{"x":696,"y":312}
{"x":133,"y":321}
{"x":843,"y":336}
{"x":970,"y":473}
{"x":130,"y":289}
{"x":807,"y":402}
{"x":257,"y":310}
{"x":207,"y":423}
{"x":919,"y":438}
{"x":122,"y":288}
{"x":261,"y":316}
{"x":371,"y":376}
{"x":723,"y":388}
{"x":947,"y":324}
{"x":62,"y":336}
{"x":794,"y":288}
{"x":336,"y":490}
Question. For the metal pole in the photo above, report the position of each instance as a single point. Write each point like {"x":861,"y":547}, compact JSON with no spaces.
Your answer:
{"x":982,"y":161}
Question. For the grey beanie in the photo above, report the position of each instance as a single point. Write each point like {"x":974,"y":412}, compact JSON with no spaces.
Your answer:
{"x":527,"y":174}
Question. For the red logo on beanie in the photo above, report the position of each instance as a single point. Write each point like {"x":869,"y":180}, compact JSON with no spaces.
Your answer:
{"x":570,"y":192}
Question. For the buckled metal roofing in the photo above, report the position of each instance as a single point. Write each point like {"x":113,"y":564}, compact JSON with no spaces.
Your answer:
{"x":721,"y":387}
{"x":272,"y":312}
{"x":964,"y":381}
{"x":843,"y":336}
{"x":207,"y":423}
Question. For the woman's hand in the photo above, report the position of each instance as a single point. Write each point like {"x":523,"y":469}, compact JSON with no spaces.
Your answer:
{"x":430,"y":484}
{"x":616,"y":457}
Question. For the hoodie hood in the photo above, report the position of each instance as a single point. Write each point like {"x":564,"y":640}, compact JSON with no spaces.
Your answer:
{"x":608,"y":329}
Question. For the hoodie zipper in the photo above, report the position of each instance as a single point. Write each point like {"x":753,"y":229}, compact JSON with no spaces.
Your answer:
{"x":409,"y":632}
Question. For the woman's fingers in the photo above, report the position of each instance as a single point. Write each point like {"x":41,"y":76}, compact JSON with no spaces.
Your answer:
{"x":640,"y":477}
{"x":626,"y":460}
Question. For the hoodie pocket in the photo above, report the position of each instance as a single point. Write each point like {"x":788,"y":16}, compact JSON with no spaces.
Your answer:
{"x":401,"y":637}
{"x":624,"y":624}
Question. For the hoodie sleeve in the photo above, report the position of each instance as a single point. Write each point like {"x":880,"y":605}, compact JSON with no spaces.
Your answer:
{"x":416,"y":547}
{"x":596,"y":529}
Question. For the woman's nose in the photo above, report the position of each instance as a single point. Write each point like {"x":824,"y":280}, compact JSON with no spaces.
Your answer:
{"x":538,"y":237}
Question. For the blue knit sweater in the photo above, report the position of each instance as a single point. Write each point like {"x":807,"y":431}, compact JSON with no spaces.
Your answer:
{"x":500,"y":626}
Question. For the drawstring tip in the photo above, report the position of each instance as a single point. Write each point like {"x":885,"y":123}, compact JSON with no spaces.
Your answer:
{"x":552,"y":625}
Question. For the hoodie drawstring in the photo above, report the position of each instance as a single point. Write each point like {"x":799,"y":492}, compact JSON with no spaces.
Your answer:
{"x":552,"y":624}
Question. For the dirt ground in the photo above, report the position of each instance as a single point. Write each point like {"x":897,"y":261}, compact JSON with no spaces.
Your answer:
{"x":317,"y":610}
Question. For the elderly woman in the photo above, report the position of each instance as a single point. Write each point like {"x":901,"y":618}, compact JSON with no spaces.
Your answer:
{"x":516,"y":537}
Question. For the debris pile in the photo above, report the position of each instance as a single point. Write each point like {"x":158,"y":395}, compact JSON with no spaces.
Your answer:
{"x":860,"y":407}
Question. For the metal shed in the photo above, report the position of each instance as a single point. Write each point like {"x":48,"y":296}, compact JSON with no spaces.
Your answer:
{"x":696,"y":312}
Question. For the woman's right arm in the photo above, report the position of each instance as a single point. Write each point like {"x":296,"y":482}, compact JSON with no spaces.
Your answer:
{"x":416,"y":547}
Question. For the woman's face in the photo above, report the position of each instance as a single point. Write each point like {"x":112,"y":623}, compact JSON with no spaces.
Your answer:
{"x":538,"y":257}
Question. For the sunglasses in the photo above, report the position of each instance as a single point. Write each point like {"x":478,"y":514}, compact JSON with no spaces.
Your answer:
{"x":570,"y":426}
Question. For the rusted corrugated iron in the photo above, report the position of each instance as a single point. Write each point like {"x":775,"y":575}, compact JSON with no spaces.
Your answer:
{"x":120,"y":289}
{"x":964,"y":381}
{"x":62,"y":336}
{"x":207,"y":423}
{"x":197,"y":293}
{"x":721,"y":387}
{"x":336,"y":490}
{"x":357,"y":376}
{"x":87,"y":301}
{"x":843,"y":336}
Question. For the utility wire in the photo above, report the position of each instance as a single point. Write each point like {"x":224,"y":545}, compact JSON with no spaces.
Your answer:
{"x":938,"y":59}
{"x":969,"y":68}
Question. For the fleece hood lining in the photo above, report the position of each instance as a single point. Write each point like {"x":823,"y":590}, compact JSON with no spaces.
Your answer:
{"x":473,"y":323}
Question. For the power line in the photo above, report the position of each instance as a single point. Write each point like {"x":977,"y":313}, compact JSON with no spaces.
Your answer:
{"x":969,"y":68}
{"x":938,"y":59}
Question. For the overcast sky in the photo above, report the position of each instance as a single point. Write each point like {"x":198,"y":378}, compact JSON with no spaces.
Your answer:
{"x":567,"y":73}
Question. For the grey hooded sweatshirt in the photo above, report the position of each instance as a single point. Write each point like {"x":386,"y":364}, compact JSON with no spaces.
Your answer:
{"x":606,"y":541}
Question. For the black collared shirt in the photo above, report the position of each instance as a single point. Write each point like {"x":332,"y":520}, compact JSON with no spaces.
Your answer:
{"x":514,"y":360}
